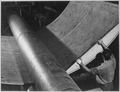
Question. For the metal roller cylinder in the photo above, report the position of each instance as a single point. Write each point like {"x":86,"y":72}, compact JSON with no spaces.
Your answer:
{"x":44,"y":69}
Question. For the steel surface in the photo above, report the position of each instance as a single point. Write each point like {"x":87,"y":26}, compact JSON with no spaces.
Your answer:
{"x":46,"y":73}
{"x":78,"y":28}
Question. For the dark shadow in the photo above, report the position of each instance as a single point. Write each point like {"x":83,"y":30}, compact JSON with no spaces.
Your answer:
{"x":97,"y":61}
{"x":8,"y":87}
{"x":34,"y":13}
{"x":115,"y":50}
{"x":86,"y":81}
{"x":61,"y":52}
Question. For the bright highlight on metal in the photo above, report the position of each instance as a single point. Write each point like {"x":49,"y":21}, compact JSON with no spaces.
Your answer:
{"x":46,"y":72}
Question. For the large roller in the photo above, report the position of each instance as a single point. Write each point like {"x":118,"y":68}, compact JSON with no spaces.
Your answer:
{"x":45,"y":71}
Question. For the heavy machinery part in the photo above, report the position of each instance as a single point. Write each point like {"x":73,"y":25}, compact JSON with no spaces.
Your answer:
{"x":45,"y":71}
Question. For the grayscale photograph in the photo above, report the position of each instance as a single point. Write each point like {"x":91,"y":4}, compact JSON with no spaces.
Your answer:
{"x":59,"y":45}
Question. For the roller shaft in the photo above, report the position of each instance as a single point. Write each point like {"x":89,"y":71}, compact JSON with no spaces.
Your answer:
{"x":44,"y":69}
